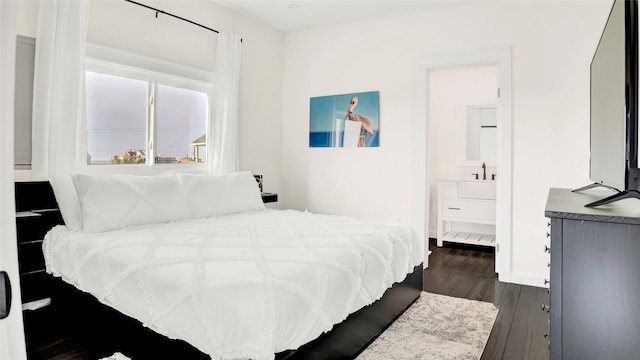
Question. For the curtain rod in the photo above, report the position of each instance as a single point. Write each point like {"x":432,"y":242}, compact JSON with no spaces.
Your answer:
{"x":158,"y":11}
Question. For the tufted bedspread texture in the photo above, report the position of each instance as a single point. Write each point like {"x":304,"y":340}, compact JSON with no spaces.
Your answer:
{"x":238,"y":286}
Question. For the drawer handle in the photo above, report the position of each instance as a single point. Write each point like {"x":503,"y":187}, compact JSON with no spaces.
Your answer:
{"x":547,"y":249}
{"x":545,"y":307}
{"x":547,"y":282}
{"x":5,"y":286}
{"x":451,"y":208}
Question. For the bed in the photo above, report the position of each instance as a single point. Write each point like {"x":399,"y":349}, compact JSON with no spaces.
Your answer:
{"x":199,"y":260}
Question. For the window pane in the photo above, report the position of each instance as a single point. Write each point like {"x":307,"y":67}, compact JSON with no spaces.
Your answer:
{"x":25,"y":56}
{"x":116,"y":119}
{"x":181,"y":124}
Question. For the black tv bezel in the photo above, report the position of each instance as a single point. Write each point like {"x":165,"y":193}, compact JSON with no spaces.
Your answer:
{"x":631,"y":98}
{"x":631,"y":171}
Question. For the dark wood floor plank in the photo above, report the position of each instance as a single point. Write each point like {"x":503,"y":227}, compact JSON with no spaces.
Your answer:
{"x":67,"y":348}
{"x":520,"y":335}
{"x":480,"y":289}
{"x":494,"y":349}
{"x":494,"y":292}
{"x":464,"y":285}
{"x":517,"y":331}
{"x":454,"y":281}
{"x":435,"y":278}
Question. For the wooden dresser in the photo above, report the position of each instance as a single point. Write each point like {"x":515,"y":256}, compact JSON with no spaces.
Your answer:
{"x":594,"y":278}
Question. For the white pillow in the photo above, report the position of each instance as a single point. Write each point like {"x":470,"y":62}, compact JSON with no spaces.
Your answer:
{"x":68,"y":202}
{"x":210,"y":195}
{"x":117,"y":201}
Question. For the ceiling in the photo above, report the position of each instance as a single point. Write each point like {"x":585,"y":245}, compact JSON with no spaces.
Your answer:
{"x":296,"y":15}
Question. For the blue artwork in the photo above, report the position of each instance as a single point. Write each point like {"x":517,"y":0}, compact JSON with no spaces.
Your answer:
{"x":348,"y":120}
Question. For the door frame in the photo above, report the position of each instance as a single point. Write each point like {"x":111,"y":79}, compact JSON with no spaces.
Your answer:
{"x":501,"y":58}
{"x":12,"y":341}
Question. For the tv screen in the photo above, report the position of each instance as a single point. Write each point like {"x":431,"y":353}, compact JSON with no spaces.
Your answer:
{"x":614,"y":106}
{"x":608,"y":103}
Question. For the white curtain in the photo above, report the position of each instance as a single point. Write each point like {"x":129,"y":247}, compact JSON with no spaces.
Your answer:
{"x":12,"y":344}
{"x":58,"y":89}
{"x":223,"y":131}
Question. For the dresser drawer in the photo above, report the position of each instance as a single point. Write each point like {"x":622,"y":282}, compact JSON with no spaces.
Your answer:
{"x":30,"y":228}
{"x":469,"y":209}
{"x":36,"y":285}
{"x":44,"y":326}
{"x":31,"y":257}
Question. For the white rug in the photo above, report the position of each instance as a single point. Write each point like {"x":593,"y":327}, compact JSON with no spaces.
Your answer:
{"x":436,"y":327}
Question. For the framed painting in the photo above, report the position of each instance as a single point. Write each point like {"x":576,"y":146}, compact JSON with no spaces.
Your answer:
{"x":347,"y":120}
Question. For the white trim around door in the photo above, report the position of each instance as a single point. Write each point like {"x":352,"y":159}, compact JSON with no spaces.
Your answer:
{"x":500,"y":57}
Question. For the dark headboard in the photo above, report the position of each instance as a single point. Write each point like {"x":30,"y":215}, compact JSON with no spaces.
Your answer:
{"x":34,"y":195}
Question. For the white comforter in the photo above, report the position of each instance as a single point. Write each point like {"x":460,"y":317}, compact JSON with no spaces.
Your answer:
{"x":246,"y":285}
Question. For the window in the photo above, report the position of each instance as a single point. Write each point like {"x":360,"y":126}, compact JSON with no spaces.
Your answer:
{"x":135,"y":106}
{"x":181,"y":119}
{"x":141,"y":117}
{"x":116,"y":119}
{"x":25,"y":57}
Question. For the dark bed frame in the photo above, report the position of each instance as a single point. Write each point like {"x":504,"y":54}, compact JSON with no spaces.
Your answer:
{"x":106,"y":330}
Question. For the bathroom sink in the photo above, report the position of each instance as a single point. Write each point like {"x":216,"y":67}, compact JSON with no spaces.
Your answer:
{"x":477,"y":189}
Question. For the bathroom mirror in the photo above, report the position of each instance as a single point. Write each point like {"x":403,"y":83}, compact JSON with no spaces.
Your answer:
{"x":476,"y":134}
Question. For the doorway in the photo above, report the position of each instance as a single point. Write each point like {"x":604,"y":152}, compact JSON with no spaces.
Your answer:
{"x":424,"y":68}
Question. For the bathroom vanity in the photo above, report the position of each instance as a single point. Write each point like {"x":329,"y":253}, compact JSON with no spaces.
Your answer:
{"x":467,"y":212}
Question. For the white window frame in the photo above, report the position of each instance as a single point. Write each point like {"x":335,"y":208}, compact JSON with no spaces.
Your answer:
{"x":120,"y":63}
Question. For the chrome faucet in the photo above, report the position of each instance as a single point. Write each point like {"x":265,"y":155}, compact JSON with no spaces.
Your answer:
{"x":484,"y":171}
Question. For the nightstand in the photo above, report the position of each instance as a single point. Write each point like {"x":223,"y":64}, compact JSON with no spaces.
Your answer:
{"x":269,"y":197}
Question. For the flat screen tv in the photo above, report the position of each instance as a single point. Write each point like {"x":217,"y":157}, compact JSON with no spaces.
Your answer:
{"x":614,"y":106}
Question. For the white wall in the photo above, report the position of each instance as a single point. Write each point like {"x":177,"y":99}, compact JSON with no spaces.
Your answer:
{"x":552,"y":45}
{"x":132,"y":28}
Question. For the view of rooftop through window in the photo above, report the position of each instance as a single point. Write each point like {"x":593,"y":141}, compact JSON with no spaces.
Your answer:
{"x":181,"y":123}
{"x":118,"y":128}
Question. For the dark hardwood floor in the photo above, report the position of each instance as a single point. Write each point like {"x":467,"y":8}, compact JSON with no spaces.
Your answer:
{"x":468,"y":272}
{"x":454,"y":270}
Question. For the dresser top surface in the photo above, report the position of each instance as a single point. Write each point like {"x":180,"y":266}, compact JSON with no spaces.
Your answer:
{"x":565,"y":204}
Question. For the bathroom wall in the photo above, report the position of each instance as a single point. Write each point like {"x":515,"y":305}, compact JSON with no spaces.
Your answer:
{"x":449,"y":88}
